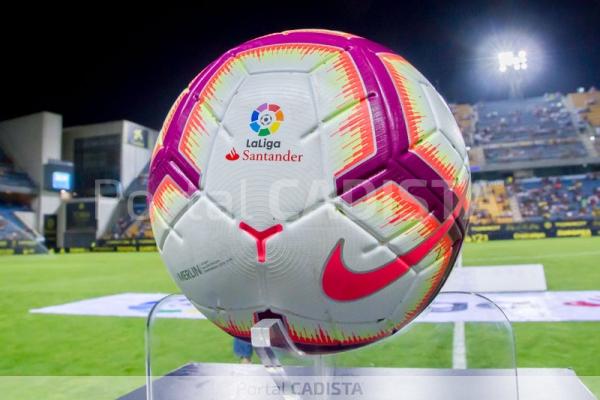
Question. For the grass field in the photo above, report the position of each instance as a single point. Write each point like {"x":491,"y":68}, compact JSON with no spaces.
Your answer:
{"x":51,"y":347}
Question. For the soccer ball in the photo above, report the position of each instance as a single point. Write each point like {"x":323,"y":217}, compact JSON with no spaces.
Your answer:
{"x":315,"y":177}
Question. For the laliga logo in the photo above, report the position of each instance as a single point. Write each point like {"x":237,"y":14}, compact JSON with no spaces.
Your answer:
{"x":265,"y":120}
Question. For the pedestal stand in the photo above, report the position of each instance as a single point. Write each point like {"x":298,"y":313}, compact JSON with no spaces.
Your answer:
{"x":415,"y":364}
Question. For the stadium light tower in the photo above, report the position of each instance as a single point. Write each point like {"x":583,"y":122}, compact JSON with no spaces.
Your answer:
{"x":513,"y":57}
{"x":513,"y":65}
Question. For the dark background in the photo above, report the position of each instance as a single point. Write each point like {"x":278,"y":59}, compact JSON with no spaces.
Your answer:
{"x":95,"y":63}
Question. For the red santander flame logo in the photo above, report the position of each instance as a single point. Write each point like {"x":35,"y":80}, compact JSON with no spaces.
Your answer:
{"x":232,"y":155}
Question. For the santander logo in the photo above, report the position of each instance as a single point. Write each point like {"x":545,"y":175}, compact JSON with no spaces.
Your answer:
{"x":232,"y":155}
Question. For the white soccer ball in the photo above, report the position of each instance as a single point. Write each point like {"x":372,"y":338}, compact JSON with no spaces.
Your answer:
{"x":315,"y":177}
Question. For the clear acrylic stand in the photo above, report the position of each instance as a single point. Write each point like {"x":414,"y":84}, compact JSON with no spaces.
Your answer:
{"x":461,"y":347}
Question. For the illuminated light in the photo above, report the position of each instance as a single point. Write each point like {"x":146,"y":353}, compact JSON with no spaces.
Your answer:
{"x":508,"y":59}
{"x":592,"y":138}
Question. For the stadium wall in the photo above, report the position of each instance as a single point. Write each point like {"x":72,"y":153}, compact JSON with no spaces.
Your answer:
{"x":135,"y":146}
{"x":534,"y":230}
{"x":31,"y":141}
{"x":137,"y":142}
{"x":105,"y":208}
{"x":136,"y":151}
{"x":28,"y":218}
{"x":86,"y":217}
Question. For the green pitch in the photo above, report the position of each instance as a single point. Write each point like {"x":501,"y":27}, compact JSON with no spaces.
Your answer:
{"x":51,"y":356}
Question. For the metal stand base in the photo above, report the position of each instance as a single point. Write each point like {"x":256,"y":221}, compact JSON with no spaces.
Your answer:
{"x":418,"y":363}
{"x":252,"y":382}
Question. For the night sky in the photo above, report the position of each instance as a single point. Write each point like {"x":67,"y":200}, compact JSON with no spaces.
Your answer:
{"x":93,"y":64}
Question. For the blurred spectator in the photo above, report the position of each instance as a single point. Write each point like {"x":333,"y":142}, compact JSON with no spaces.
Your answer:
{"x":558,"y":198}
{"x":538,"y":118}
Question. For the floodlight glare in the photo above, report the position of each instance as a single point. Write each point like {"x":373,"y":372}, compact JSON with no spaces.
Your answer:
{"x":508,"y":59}
{"x":514,"y":56}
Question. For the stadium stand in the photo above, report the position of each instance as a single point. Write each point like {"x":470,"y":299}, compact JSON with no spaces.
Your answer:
{"x":16,"y":192}
{"x":132,"y":220}
{"x":546,"y":127}
{"x":500,"y":133}
{"x":131,"y":228}
{"x":544,"y":117}
{"x":586,"y":105}
{"x":491,"y":203}
{"x":558,"y":198}
{"x":466,"y":118}
{"x":549,"y":131}
{"x":558,"y":150}
{"x":12,"y":180}
{"x":11,"y":227}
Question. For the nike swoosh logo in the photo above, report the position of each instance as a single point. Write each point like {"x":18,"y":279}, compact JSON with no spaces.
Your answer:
{"x":343,"y":284}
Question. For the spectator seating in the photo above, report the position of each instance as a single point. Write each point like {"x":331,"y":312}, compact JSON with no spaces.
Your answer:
{"x":465,"y":117}
{"x":498,"y":132}
{"x":558,"y":198}
{"x":491,"y":203}
{"x":537,"y":118}
{"x":586,"y":105}
{"x":11,"y":227}
{"x":530,"y":152}
{"x":494,"y":202}
{"x":11,"y":179}
{"x":136,"y":226}
{"x":537,"y":199}
{"x":140,"y":228}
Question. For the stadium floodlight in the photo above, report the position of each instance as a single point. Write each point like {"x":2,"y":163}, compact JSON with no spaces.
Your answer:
{"x":508,"y":60}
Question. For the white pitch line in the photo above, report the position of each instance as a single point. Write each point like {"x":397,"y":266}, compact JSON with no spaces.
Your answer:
{"x":459,"y":349}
